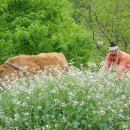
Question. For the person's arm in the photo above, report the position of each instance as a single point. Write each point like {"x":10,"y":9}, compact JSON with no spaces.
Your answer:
{"x":106,"y":66}
{"x":119,"y":73}
{"x":121,"y":68}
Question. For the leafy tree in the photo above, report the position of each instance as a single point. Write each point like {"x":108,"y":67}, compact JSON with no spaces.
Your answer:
{"x":108,"y":20}
{"x":31,"y":27}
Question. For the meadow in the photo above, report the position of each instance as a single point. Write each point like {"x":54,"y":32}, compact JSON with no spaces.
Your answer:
{"x":77,"y":100}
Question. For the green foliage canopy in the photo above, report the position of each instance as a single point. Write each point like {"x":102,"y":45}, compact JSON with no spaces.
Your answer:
{"x":31,"y":27}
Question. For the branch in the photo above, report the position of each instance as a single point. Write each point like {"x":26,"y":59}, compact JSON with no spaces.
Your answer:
{"x":91,"y":21}
{"x":100,"y":27}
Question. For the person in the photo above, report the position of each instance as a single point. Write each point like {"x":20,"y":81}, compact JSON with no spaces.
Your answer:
{"x":122,"y":59}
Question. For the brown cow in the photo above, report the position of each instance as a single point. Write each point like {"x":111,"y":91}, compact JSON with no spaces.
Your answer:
{"x":40,"y":61}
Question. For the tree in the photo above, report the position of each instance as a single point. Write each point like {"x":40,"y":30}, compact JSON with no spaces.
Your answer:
{"x":31,"y":27}
{"x":108,"y":20}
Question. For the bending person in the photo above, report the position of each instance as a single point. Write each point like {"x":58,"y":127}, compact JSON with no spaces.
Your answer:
{"x":122,"y":59}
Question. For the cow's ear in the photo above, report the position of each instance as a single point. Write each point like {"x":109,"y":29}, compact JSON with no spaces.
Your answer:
{"x":1,"y":70}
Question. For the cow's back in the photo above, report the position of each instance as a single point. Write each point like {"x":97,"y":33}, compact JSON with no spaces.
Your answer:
{"x":26,"y":60}
{"x":54,"y":58}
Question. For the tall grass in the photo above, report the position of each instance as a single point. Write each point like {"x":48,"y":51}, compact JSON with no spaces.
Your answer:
{"x":77,"y":100}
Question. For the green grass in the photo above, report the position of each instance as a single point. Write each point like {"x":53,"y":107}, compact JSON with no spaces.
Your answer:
{"x":78,"y":100}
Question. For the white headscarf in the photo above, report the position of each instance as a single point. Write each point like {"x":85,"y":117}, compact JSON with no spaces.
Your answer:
{"x":113,"y":48}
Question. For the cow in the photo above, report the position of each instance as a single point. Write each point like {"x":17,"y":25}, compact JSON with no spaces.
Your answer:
{"x":40,"y":61}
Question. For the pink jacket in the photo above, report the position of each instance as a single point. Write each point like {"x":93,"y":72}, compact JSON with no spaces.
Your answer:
{"x":123,"y":60}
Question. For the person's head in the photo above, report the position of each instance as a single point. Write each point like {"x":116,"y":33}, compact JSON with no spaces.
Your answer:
{"x":113,"y":49}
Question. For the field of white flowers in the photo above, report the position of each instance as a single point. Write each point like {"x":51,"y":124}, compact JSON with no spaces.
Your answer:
{"x":77,"y":100}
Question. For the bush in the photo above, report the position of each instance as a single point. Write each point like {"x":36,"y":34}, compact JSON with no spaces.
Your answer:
{"x":77,"y":100}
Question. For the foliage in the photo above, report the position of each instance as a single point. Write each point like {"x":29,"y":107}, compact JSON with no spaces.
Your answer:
{"x":77,"y":100}
{"x":31,"y":27}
